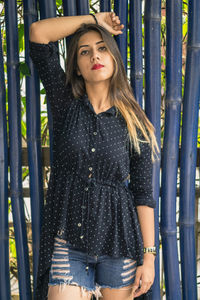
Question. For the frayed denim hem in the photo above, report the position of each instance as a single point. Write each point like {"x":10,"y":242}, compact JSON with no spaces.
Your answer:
{"x":120,"y":287}
{"x":84,"y":289}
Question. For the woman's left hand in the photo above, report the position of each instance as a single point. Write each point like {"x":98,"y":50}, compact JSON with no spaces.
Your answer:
{"x":144,"y":276}
{"x":110,"y":21}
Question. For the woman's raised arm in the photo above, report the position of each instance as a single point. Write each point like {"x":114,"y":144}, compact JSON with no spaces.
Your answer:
{"x":54,"y":29}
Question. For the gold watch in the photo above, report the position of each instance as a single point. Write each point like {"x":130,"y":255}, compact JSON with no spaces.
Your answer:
{"x":151,"y":250}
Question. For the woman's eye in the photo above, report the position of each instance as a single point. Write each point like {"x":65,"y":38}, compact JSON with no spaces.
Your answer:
{"x":84,"y":52}
{"x":103,"y":48}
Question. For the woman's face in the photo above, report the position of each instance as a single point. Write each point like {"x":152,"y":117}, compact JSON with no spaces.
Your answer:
{"x":95,"y":63}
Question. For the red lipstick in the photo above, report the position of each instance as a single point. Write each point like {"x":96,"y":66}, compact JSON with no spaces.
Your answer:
{"x":97,"y":66}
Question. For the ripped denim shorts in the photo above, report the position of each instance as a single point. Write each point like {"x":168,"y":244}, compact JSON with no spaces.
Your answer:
{"x":68,"y":267}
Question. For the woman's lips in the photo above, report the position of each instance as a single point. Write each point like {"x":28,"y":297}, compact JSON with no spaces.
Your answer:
{"x":97,"y":66}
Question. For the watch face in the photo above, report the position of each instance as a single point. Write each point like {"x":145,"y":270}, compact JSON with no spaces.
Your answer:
{"x":150,"y":250}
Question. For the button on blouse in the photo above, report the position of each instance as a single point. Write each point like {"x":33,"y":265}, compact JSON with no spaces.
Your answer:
{"x":89,"y":202}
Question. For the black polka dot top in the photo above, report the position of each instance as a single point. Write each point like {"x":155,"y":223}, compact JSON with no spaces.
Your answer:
{"x":89,"y":202}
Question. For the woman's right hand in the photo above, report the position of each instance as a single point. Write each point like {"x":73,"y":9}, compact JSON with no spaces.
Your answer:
{"x":110,"y":21}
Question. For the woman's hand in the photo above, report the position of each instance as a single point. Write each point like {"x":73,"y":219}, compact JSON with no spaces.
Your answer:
{"x":110,"y":21}
{"x":144,"y":276}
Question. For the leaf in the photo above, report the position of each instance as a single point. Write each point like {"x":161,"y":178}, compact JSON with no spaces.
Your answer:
{"x":23,"y":129}
{"x":12,"y":248}
{"x":21,"y":37}
{"x":23,"y":99}
{"x":58,"y":3}
{"x":24,"y":69}
{"x":42,"y":91}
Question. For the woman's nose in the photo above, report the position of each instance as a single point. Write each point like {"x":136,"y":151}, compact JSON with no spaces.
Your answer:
{"x":94,"y":55}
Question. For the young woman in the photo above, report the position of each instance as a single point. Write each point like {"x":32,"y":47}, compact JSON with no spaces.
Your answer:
{"x":98,"y":233}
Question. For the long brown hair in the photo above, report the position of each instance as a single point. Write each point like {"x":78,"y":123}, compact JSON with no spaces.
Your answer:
{"x":120,"y":91}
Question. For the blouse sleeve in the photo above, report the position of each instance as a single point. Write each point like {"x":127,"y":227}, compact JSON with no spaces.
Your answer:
{"x":141,"y":167}
{"x":46,"y":60}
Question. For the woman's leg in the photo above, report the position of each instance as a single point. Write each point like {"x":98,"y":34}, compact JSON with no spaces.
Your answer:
{"x":125,"y":293}
{"x":68,"y":279}
{"x":68,"y":292}
{"x":115,"y":277}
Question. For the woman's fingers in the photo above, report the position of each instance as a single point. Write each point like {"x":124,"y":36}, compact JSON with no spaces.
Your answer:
{"x":136,"y":284}
{"x":145,"y":286}
{"x":142,"y":282}
{"x":111,"y":22}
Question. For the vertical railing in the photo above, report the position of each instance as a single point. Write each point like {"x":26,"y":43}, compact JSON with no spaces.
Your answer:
{"x":14,"y":117}
{"x":188,"y":154}
{"x":33,"y":138}
{"x":136,"y":49}
{"x":171,"y":148}
{"x":121,"y":9}
{"x":69,"y":8}
{"x":105,"y":5}
{"x":152,"y":19}
{"x":4,"y":236}
{"x":82,"y":7}
{"x":48,"y":10}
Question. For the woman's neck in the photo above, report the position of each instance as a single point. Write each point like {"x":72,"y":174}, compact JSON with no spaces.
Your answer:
{"x":98,"y":96}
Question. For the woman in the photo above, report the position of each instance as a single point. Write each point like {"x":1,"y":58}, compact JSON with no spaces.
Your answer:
{"x":95,"y":228}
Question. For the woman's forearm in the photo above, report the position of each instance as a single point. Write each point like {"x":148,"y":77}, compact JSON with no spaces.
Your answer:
{"x":54,"y":29}
{"x":146,"y":219}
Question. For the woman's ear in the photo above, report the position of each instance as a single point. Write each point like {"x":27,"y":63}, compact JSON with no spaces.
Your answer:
{"x":78,"y":72}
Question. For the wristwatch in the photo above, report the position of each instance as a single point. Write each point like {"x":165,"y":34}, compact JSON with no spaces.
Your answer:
{"x":150,"y":250}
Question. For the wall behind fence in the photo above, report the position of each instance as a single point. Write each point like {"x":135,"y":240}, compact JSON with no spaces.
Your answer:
{"x":141,"y":49}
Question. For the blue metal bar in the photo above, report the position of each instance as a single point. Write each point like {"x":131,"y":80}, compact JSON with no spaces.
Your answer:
{"x":105,"y":5}
{"x":69,"y":8}
{"x":33,"y":139}
{"x":48,"y":10}
{"x":171,"y":148}
{"x":14,"y":114}
{"x":152,"y":19}
{"x":136,"y":49}
{"x":121,"y":9}
{"x":4,"y":234}
{"x":82,"y":7}
{"x":188,"y":154}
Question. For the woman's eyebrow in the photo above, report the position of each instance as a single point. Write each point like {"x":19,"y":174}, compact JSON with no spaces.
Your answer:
{"x":88,"y":45}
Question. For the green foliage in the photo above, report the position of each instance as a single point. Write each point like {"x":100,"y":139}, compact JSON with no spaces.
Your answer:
{"x":24,"y":70}
{"x":21,"y":37}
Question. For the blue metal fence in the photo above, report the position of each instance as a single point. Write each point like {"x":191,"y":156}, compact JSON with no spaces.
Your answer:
{"x":188,"y":154}
{"x":130,"y":13}
{"x":14,"y":119}
{"x":171,"y":148}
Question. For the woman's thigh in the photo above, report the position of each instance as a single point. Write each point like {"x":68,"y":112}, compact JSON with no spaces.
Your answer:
{"x":116,"y":277}
{"x":68,"y":292}
{"x":67,"y":277}
{"x":125,"y":293}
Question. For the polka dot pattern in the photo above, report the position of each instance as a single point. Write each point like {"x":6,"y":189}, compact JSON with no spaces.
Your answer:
{"x":88,"y":202}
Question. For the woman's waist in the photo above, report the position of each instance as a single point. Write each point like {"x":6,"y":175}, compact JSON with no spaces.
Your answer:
{"x":83,"y":179}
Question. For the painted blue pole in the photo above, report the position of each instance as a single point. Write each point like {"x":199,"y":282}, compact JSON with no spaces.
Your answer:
{"x":152,"y":19}
{"x":171,"y":148}
{"x":69,"y":8}
{"x":136,"y":49}
{"x":33,"y":139}
{"x":105,"y":5}
{"x":4,"y":233}
{"x":14,"y":114}
{"x":82,"y":7}
{"x":48,"y":10}
{"x":121,"y":9}
{"x":188,"y":154}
